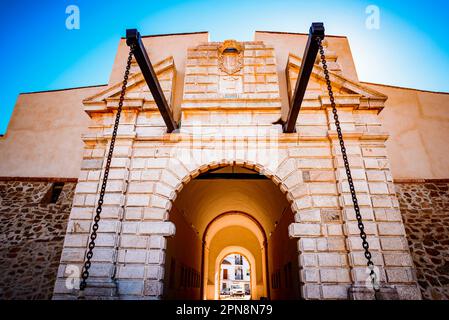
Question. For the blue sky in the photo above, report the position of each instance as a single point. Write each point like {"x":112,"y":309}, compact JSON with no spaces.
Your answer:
{"x":411,"y":47}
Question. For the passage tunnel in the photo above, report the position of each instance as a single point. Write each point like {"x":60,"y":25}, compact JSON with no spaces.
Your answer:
{"x":232,"y":210}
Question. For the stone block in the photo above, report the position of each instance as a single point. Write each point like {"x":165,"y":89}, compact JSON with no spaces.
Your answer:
{"x":393,"y":243}
{"x":323,"y":188}
{"x":132,"y":256}
{"x":157,"y":228}
{"x":293,"y":180}
{"x":160,"y":202}
{"x":310,"y":275}
{"x":333,"y":275}
{"x":131,"y":271}
{"x":334,"y":230}
{"x":134,"y":213}
{"x":117,"y":199}
{"x":300,"y":190}
{"x":355,"y":243}
{"x":362,"y":199}
{"x":118,"y":174}
{"x":133,"y":241}
{"x":408,"y":292}
{"x":138,"y":200}
{"x":307,"y":244}
{"x":398,"y":275}
{"x":155,"y":272}
{"x":81,"y":213}
{"x":332,"y":259}
{"x":164,"y":190}
{"x":296,"y":230}
{"x":352,"y":228}
{"x":303,"y":203}
{"x":381,"y":201}
{"x":155,"y":256}
{"x":374,"y":152}
{"x":130,"y":227}
{"x":127,"y":287}
{"x":112,"y":212}
{"x":398,"y":259}
{"x":335,"y":291}
{"x":308,"y":215}
{"x":378,"y":188}
{"x":86,"y":187}
{"x":315,"y":163}
{"x":151,"y":175}
{"x":308,"y":260}
{"x":75,"y":240}
{"x":155,"y":214}
{"x":391,"y":228}
{"x":157,"y":242}
{"x":311,"y":291}
{"x":153,"y":288}
{"x":73,"y":254}
{"x":140,"y":187}
{"x":89,"y":164}
{"x":375,"y":175}
{"x":286,"y":169}
{"x":169,"y":178}
{"x":325,"y":201}
{"x":318,"y":175}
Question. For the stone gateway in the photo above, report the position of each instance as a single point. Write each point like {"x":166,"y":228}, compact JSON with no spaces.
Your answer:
{"x":229,"y":181}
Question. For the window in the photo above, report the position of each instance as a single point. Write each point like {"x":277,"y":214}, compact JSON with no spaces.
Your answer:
{"x":238,"y":273}
{"x":225,"y":274}
{"x":238,"y":259}
{"x":53,"y":193}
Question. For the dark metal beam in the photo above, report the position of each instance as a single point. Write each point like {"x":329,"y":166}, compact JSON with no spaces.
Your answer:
{"x":133,"y":39}
{"x":316,"y":31}
{"x":233,"y":176}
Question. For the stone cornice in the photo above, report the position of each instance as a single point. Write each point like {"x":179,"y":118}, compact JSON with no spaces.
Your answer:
{"x":281,"y":137}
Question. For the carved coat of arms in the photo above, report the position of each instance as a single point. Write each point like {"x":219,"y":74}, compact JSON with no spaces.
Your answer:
{"x":230,"y":57}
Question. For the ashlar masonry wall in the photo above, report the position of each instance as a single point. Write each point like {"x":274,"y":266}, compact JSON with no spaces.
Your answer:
{"x":228,"y":119}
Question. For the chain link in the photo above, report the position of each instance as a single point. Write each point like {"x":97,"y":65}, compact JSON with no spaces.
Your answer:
{"x":93,"y":235}
{"x":360,"y":224}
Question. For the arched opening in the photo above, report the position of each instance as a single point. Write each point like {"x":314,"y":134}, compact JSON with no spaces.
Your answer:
{"x":228,"y":233}
{"x":231,"y":209}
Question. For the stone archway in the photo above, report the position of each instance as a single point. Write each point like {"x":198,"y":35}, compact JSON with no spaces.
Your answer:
{"x":252,"y":209}
{"x":177,"y":174}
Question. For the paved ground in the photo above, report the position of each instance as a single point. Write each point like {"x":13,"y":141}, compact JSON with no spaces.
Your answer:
{"x":248,"y":297}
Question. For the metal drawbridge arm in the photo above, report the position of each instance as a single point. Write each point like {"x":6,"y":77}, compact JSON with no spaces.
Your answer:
{"x":134,"y":40}
{"x":316,"y":31}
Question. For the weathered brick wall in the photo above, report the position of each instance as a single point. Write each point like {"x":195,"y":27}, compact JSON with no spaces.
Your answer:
{"x":31,"y":238}
{"x":425,"y":211}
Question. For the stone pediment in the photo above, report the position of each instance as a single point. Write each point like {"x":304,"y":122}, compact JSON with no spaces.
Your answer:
{"x":138,"y":94}
{"x":347,"y":92}
{"x":231,"y":74}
